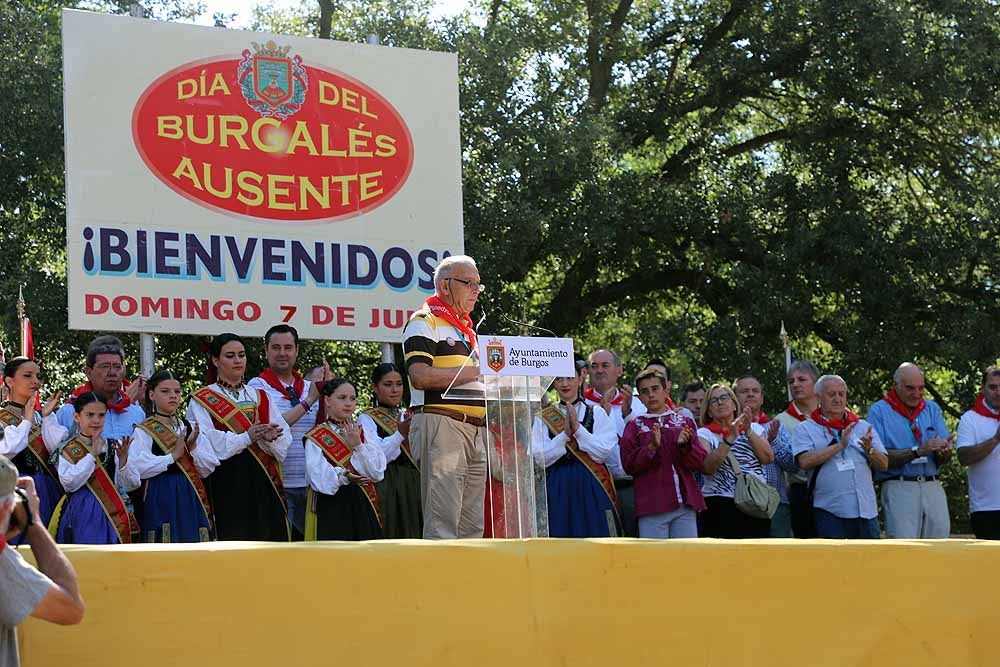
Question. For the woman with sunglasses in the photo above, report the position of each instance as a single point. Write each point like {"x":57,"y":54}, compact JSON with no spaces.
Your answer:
{"x":728,"y":429}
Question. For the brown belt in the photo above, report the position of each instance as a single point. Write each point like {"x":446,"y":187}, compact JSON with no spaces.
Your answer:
{"x":453,"y":414}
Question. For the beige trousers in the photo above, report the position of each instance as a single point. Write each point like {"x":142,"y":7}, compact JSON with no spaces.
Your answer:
{"x":452,"y":459}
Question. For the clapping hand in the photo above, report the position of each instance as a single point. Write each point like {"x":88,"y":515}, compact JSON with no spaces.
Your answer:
{"x":866,"y":440}
{"x":49,"y":406}
{"x":356,"y":478}
{"x":352,"y":434}
{"x":264,"y":432}
{"x":136,"y":389}
{"x":606,"y":403}
{"x":772,"y":430}
{"x":121,"y":449}
{"x":572,"y":423}
{"x":403,"y":426}
{"x":744,"y":420}
{"x":845,"y":435}
{"x":192,"y":438}
{"x":684,"y":437}
{"x":626,"y":392}
{"x":655,"y":444}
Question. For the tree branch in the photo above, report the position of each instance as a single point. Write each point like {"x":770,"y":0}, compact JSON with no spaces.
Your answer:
{"x":722,"y":28}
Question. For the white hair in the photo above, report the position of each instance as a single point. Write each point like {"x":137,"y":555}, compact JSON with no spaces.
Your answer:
{"x":827,"y":379}
{"x":897,"y":377}
{"x":446,"y":265}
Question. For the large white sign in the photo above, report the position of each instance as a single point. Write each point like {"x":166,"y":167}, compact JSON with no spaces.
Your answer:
{"x":220,"y":180}
{"x":525,"y":355}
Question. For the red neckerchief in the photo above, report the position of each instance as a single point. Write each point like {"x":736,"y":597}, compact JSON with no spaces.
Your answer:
{"x":892,"y":398}
{"x":717,"y":430}
{"x":762,"y":418}
{"x":592,"y":395}
{"x":119,"y":406}
{"x":980,"y":407}
{"x":835,"y":424}
{"x":670,"y":404}
{"x":793,"y":411}
{"x":3,"y":543}
{"x":447,"y":313}
{"x":271,"y":378}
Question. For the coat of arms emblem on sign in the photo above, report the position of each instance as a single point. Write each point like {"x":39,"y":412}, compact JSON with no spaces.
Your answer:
{"x":273,"y":83}
{"x":495,"y":355}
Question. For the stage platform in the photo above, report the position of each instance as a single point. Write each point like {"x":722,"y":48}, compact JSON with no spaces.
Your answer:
{"x":515,"y":603}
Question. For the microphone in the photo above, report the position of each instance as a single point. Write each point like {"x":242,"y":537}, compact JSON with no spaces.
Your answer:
{"x":525,"y":324}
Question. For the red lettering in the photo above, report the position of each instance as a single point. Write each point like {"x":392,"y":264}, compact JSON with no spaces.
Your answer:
{"x":248,"y":311}
{"x":345,"y":316}
{"x":95,"y":304}
{"x":289,"y":312}
{"x":124,"y":306}
{"x":152,"y":307}
{"x":223,"y":310}
{"x":197,"y":310}
{"x":322,"y":314}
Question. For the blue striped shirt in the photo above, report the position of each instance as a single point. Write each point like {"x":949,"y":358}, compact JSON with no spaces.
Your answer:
{"x":293,"y":468}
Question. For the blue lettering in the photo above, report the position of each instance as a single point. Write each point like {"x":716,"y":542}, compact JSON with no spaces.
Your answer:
{"x":354,"y":277}
{"x":242,"y":262}
{"x":162,"y":253}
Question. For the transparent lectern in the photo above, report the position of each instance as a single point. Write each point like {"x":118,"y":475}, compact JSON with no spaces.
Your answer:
{"x":516,"y":498}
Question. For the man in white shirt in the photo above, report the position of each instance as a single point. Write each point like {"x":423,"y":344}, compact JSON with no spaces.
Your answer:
{"x":605,"y":370}
{"x":296,"y":398}
{"x":978,"y":436}
{"x":49,"y":592}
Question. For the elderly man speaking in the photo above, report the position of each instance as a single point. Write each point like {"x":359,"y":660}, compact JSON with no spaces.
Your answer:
{"x":841,"y":450}
{"x":447,"y":432}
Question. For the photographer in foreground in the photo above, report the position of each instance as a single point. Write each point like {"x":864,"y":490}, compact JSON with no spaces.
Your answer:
{"x":49,"y":592}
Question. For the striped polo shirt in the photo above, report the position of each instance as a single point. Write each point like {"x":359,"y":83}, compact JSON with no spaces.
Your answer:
{"x":429,"y":339}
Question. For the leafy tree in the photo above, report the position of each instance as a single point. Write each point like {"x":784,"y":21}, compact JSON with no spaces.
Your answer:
{"x":670,"y":179}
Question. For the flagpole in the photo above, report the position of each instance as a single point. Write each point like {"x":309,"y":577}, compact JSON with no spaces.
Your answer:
{"x":788,"y":354}
{"x":20,"y":320}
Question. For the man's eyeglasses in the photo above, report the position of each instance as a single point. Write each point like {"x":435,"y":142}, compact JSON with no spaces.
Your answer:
{"x":109,"y":367}
{"x":471,"y":284}
{"x":293,"y":396}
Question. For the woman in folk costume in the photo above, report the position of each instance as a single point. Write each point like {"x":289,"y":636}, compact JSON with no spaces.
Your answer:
{"x":572,"y":440}
{"x":342,"y":469}
{"x":250,"y":441}
{"x":173,"y":458}
{"x":96,"y":476}
{"x":30,"y":437}
{"x":384,"y":425}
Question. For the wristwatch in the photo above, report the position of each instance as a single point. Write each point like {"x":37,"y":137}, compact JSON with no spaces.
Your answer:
{"x":916,"y":451}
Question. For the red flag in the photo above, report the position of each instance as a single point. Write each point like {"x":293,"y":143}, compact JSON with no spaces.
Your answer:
{"x":27,"y":341}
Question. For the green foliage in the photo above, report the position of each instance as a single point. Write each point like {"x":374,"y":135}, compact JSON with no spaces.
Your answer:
{"x":668,"y":179}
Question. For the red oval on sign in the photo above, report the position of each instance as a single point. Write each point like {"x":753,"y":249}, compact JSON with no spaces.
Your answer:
{"x":269,"y":137}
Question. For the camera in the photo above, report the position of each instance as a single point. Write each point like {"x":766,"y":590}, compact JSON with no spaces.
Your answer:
{"x":18,"y":515}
